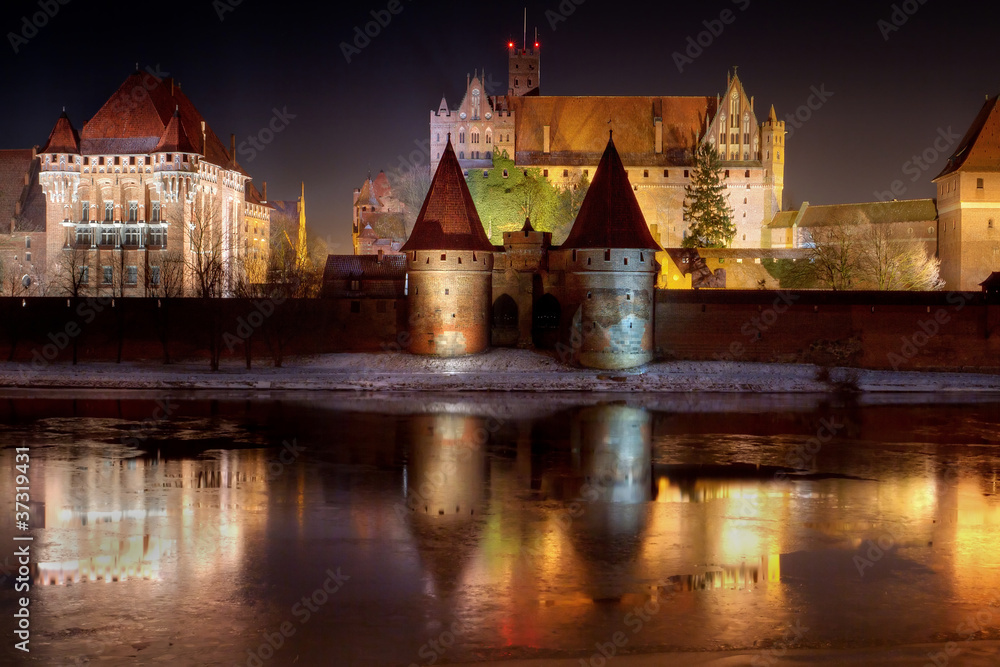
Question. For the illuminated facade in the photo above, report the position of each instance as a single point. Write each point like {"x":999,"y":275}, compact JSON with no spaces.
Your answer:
{"x":656,"y":136}
{"x":968,"y":199}
{"x":130,"y":204}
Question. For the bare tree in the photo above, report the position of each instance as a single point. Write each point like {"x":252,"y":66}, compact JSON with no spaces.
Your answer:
{"x":834,"y":251}
{"x":169,"y":286}
{"x":851,"y":252}
{"x":204,"y":263}
{"x":411,"y":187}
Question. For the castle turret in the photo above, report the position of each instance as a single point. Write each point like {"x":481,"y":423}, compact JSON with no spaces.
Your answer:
{"x":523,"y":70}
{"x":772,"y":156}
{"x":450,"y":267}
{"x":610,"y":274}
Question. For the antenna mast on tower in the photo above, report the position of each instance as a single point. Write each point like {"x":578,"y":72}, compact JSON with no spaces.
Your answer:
{"x":524,"y":35}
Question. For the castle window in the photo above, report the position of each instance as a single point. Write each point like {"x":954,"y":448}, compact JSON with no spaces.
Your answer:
{"x":109,"y":211}
{"x":461,"y":156}
{"x":131,"y":160}
{"x":586,"y":172}
{"x":626,"y":261}
{"x":588,"y":261}
{"x":505,"y":173}
{"x":529,"y":83}
{"x":746,"y":174}
{"x":607,"y":255}
{"x":355,"y":285}
{"x":685,"y":173}
{"x":489,"y":138}
{"x":628,"y":296}
{"x":516,"y":81}
{"x":355,"y":306}
{"x":645,"y":173}
{"x":459,"y":260}
{"x":475,"y":137}
{"x":979,"y":184}
{"x":746,"y":156}
{"x":446,"y":291}
{"x":27,"y":257}
{"x":574,"y":255}
{"x":106,"y":276}
{"x":444,"y":256}
{"x":486,"y":174}
{"x":117,"y":162}
{"x":565,"y":173}
{"x":727,"y":173}
{"x":990,"y":223}
{"x":666,"y":174}
{"x":744,"y":200}
{"x":131,"y":275}
{"x":84,"y":275}
{"x":461,"y":137}
{"x":27,"y":239}
{"x":133,"y":211}
{"x":588,"y":295}
{"x":930,"y":230}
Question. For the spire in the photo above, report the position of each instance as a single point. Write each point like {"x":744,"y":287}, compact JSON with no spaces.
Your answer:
{"x":610,"y":216}
{"x":448,"y":220}
{"x":772,"y":117}
{"x":527,"y":226}
{"x":301,"y":252}
{"x":174,"y":138}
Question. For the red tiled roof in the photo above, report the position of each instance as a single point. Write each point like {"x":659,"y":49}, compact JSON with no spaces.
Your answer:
{"x":366,"y":196}
{"x":448,"y":220}
{"x":134,"y":118}
{"x":174,"y":139}
{"x":391,"y":267}
{"x":578,"y":124}
{"x":610,"y":216}
{"x":979,"y":149}
{"x":63,"y":138}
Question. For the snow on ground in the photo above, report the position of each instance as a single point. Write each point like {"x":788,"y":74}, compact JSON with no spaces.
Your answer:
{"x":496,"y":370}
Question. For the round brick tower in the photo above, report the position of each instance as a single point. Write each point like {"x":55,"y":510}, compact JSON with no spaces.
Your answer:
{"x":608,"y":302}
{"x":449,"y":262}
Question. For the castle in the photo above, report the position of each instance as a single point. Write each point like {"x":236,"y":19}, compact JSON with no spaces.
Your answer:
{"x":138,"y":202}
{"x":656,"y":137}
{"x":590,"y":298}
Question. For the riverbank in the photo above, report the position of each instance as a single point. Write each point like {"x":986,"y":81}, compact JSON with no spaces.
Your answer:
{"x":965,"y":653}
{"x":496,"y":370}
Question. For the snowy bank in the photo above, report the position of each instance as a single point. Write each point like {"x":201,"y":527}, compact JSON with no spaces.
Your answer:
{"x":497,"y":370}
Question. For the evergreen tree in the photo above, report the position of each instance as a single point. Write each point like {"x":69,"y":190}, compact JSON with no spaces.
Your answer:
{"x":706,"y":207}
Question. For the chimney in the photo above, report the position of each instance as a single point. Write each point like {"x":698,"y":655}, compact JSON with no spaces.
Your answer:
{"x":232,"y":148}
{"x":34,"y":152}
{"x":204,"y":137}
{"x":380,"y":255}
{"x":17,"y":208}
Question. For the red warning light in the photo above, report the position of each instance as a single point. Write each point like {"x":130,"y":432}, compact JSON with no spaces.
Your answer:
{"x":536,"y":45}
{"x":510,"y":45}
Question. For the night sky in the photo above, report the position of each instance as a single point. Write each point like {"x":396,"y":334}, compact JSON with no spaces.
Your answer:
{"x":894,"y":91}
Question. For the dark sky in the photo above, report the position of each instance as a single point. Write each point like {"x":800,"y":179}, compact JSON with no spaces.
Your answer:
{"x":891,"y":97}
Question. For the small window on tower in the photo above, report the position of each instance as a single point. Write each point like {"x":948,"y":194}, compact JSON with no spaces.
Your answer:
{"x":979,"y":184}
{"x":685,"y":173}
{"x":446,"y":291}
{"x":444,"y":256}
{"x":645,"y":173}
{"x":666,"y":174}
{"x":607,"y":255}
{"x":545,"y":173}
{"x":727,"y":173}
{"x":565,"y":173}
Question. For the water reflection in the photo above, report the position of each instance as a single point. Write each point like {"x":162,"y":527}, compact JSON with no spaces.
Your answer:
{"x":536,"y":531}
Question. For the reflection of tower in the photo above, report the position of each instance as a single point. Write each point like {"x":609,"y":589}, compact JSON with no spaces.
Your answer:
{"x":445,"y":487}
{"x":450,"y":268}
{"x":608,"y":512}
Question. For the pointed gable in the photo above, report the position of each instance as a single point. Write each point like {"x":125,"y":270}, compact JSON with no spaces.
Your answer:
{"x":174,"y":139}
{"x":366,"y":196}
{"x":448,"y":220}
{"x":381,"y":185}
{"x":610,"y":216}
{"x":979,"y":149}
{"x":63,"y":138}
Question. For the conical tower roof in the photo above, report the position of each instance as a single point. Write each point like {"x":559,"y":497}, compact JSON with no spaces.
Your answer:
{"x":448,"y":220}
{"x":174,"y":139}
{"x":63,"y":138}
{"x":610,"y":216}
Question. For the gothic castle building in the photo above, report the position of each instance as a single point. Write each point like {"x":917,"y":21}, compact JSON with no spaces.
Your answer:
{"x":656,"y":138}
{"x":131,"y":204}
